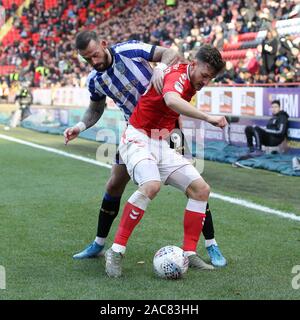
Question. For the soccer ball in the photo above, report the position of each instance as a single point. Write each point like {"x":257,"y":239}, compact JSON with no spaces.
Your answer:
{"x":170,"y":262}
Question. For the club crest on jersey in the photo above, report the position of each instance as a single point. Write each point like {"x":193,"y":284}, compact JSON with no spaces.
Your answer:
{"x":121,"y":67}
{"x":178,"y":86}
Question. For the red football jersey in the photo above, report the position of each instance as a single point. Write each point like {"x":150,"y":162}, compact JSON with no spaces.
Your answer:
{"x":151,"y":112}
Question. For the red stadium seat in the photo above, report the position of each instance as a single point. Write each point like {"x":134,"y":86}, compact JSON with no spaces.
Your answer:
{"x":247,"y":36}
{"x":7,"y":4}
{"x":235,"y":54}
{"x":49,"y":4}
{"x":231,"y":46}
{"x":12,"y":36}
{"x":4,"y":70}
{"x":35,"y":38}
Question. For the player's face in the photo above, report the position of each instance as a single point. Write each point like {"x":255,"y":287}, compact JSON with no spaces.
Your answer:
{"x":201,"y":74}
{"x":97,"y":55}
{"x":275,"y":108}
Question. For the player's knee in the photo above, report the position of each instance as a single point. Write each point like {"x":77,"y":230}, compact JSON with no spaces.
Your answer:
{"x":257,"y":128}
{"x":150,"y":189}
{"x":199,"y":190}
{"x":202,"y":192}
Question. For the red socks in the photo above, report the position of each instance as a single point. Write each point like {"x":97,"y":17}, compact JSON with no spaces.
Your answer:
{"x":130,"y":218}
{"x":132,"y":214}
{"x":194,"y":217}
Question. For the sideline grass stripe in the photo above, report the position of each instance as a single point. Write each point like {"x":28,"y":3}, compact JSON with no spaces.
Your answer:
{"x":237,"y":201}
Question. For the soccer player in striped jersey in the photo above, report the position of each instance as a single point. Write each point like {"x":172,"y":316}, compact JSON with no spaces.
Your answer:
{"x":123,"y":73}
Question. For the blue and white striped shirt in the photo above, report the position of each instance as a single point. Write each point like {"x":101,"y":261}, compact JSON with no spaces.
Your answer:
{"x":127,"y":78}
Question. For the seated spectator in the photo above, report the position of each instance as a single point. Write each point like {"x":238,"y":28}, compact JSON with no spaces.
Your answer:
{"x":251,"y":63}
{"x":287,"y":75}
{"x":228,"y":75}
{"x":273,"y":135}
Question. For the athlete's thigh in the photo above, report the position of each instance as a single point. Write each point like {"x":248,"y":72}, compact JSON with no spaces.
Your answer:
{"x":170,"y":161}
{"x":134,"y":147}
{"x":119,"y":172}
{"x":118,"y":180}
{"x":184,"y":177}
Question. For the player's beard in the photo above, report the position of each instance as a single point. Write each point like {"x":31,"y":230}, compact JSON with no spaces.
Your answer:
{"x":103,"y":65}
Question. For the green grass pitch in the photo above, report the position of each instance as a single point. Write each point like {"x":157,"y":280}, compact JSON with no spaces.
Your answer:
{"x":49,"y":210}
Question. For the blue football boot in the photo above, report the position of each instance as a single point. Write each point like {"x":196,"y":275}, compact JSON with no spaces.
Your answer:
{"x":216,"y":256}
{"x":91,"y":251}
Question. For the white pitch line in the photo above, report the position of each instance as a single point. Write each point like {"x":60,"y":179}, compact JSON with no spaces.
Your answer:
{"x":62,"y":153}
{"x":252,"y":205}
{"x":237,"y":201}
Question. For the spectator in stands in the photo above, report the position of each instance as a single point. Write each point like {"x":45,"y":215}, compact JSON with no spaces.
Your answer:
{"x":273,"y":135}
{"x":228,"y":75}
{"x":288,"y":49}
{"x":46,"y":33}
{"x":269,"y":51}
{"x":287,"y":75}
{"x":251,"y":64}
{"x":239,"y":73}
{"x":219,"y":39}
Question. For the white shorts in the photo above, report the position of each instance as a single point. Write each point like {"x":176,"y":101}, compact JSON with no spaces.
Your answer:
{"x":136,"y":146}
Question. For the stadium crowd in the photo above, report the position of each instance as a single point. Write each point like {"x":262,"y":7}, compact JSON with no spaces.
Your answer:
{"x":44,"y":54}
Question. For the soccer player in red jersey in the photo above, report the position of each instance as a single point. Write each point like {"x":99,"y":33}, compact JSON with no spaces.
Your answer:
{"x":150,"y":161}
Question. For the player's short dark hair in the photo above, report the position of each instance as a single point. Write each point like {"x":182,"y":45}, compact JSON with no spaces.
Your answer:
{"x":276,"y":102}
{"x":83,"y":39}
{"x":212,"y":56}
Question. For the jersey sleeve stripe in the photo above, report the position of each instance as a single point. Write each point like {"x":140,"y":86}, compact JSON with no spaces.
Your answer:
{"x":94,"y":96}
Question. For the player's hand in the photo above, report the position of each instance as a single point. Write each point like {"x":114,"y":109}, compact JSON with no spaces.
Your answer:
{"x":71,"y":133}
{"x":218,"y":121}
{"x":157,"y":79}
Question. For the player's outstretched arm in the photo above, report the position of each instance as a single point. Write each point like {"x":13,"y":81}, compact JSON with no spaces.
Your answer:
{"x":91,"y":116}
{"x":174,"y":101}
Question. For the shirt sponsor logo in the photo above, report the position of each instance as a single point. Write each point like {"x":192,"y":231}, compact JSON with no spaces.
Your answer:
{"x":178,"y":87}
